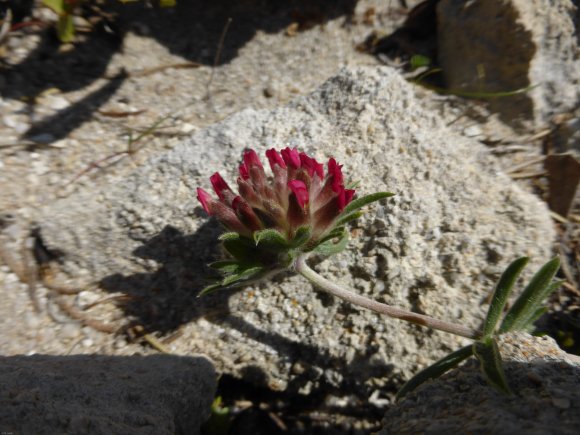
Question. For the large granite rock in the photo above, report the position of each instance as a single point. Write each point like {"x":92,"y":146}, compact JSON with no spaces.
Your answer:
{"x":545,"y":380}
{"x":503,"y":45}
{"x":90,"y":394}
{"x":437,"y":247}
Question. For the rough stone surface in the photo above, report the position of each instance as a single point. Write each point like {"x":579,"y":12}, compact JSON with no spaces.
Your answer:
{"x":89,"y":394}
{"x":504,"y":45}
{"x":437,"y":247}
{"x":546,"y":401}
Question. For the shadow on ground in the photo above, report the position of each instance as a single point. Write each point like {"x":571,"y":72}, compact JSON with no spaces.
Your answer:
{"x":191,"y":30}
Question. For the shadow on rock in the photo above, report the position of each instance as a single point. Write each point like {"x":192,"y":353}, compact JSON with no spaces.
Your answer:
{"x":166,"y":298}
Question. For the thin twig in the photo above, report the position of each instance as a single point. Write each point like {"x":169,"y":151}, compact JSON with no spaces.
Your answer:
{"x":217,"y":58}
{"x":520,"y":166}
{"x":419,"y":319}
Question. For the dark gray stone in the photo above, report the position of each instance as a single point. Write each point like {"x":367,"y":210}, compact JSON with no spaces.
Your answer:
{"x":94,"y":394}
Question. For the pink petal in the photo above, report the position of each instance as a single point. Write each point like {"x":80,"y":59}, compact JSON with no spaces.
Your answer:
{"x":244,"y":173}
{"x":344,"y":197}
{"x":205,"y":199}
{"x":300,"y":191}
{"x":311,"y":165}
{"x":219,"y":185}
{"x":252,"y":159}
{"x":245,"y":214}
{"x":291,"y":157}
{"x":275,"y":159}
{"x":335,"y":174}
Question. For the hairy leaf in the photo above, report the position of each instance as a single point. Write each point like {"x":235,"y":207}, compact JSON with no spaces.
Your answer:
{"x":531,"y":298}
{"x":435,"y":370}
{"x":271,"y":239}
{"x":302,"y":235}
{"x":349,"y":217}
{"x":487,"y":352}
{"x":364,"y":200}
{"x":501,"y":294}
{"x":330,"y":247}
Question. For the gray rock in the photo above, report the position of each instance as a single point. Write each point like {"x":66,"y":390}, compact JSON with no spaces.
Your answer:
{"x":90,"y":394}
{"x":504,"y":45}
{"x":437,"y":247}
{"x":546,"y":400}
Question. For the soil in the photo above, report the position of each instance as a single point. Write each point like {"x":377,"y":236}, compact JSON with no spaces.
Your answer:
{"x":137,"y":79}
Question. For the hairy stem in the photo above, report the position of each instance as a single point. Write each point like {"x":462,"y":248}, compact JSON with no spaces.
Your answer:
{"x":419,"y":319}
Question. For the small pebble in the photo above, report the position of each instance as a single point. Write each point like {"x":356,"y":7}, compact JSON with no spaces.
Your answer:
{"x":87,"y":342}
{"x":70,"y":330}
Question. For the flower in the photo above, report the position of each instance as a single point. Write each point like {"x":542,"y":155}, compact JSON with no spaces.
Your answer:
{"x":273,"y":219}
{"x":298,"y":195}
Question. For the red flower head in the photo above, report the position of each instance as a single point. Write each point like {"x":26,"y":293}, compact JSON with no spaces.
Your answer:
{"x":298,"y":195}
{"x":274,"y":218}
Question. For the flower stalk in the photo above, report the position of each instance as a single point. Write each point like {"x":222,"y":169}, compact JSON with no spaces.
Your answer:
{"x":334,"y":289}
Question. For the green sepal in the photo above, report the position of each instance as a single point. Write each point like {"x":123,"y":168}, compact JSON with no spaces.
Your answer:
{"x":301,"y":236}
{"x":271,"y":239}
{"x":343,"y":220}
{"x":501,"y":294}
{"x":364,"y":200}
{"x":435,"y":370}
{"x":329,"y":247}
{"x":487,"y":352}
{"x":531,"y":298}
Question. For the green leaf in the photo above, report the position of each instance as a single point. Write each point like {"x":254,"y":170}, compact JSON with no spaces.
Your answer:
{"x":225,"y":266}
{"x":349,"y":217}
{"x":301,"y":236}
{"x":330,"y":247}
{"x":501,"y":294}
{"x":487,"y":352}
{"x":210,"y":288}
{"x":241,"y":249}
{"x":271,"y":239}
{"x":531,"y":298}
{"x":65,"y":28}
{"x":364,"y":200}
{"x":435,"y":370}
{"x":529,"y":326}
{"x":418,"y":61}
{"x":56,"y":5}
{"x":352,"y":185}
{"x":230,"y":235}
{"x":243,"y":275}
{"x":334,"y":233}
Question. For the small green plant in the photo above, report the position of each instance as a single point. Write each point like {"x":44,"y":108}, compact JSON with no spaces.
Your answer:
{"x":276,"y":223}
{"x":65,"y":9}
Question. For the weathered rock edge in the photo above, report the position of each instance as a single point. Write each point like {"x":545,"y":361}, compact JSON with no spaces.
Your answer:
{"x":95,"y":394}
{"x":547,"y":399}
{"x":436,"y":247}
